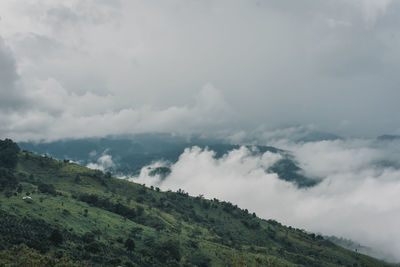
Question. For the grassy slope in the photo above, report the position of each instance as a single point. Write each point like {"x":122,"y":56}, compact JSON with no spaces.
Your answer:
{"x":208,"y":232}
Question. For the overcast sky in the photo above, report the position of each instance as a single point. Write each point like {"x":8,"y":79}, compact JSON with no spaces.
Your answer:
{"x":81,"y":68}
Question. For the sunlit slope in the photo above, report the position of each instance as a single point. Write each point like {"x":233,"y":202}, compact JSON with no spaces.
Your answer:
{"x":89,"y":216}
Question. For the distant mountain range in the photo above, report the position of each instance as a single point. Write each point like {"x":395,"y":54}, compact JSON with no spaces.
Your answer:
{"x":130,"y":154}
{"x":388,"y":137}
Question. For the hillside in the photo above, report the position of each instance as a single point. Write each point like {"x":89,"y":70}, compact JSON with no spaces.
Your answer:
{"x":131,"y":153}
{"x":72,"y":214}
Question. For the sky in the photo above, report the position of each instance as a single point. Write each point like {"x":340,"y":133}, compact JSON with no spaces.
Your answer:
{"x":85,"y":68}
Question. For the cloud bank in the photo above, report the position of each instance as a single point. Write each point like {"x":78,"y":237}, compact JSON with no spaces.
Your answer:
{"x":105,"y":162}
{"x":357,"y":198}
{"x":143,"y":66}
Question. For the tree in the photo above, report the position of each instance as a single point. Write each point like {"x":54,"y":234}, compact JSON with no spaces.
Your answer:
{"x":7,"y":179}
{"x":77,"y":179}
{"x":47,"y":189}
{"x":130,"y":245}
{"x":8,"y":154}
{"x":19,"y":189}
{"x":200,"y":260}
{"x":56,"y":237}
{"x":93,"y":247}
{"x":169,"y":250}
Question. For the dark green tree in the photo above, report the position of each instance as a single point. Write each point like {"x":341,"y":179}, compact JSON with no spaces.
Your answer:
{"x":7,"y":179}
{"x":130,"y":245}
{"x":168,"y":250}
{"x":56,"y":237}
{"x":8,"y":153}
{"x":47,"y":189}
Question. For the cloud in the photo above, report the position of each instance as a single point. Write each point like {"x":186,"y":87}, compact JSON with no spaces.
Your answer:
{"x":10,"y":97}
{"x":277,"y":63}
{"x":356,"y":199}
{"x":105,"y":162}
{"x":58,"y":114}
{"x":373,"y":9}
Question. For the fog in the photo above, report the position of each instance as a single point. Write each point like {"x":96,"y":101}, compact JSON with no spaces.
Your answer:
{"x":357,"y":197}
{"x":205,"y":67}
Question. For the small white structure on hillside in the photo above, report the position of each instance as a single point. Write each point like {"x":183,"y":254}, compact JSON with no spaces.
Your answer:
{"x":27,"y":199}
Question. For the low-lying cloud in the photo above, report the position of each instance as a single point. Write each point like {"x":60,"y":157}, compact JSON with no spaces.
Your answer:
{"x":357,"y":198}
{"x":103,"y":163}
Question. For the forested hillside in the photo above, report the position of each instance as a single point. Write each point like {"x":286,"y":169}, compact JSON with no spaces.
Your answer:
{"x":62,"y":214}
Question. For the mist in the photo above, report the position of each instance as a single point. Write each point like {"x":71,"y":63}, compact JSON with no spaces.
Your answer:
{"x":357,"y":197}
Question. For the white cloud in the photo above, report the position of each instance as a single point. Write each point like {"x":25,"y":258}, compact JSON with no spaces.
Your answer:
{"x":325,"y":158}
{"x":58,"y":114}
{"x":10,"y":96}
{"x":103,"y":163}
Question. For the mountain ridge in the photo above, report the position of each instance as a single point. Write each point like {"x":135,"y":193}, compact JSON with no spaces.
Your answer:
{"x":131,"y":154}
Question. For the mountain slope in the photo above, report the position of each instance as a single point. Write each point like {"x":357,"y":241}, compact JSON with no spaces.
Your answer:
{"x":130,"y":154}
{"x":67,"y":210}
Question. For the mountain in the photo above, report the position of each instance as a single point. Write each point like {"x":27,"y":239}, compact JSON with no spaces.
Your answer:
{"x":388,"y":137}
{"x":131,"y":153}
{"x":62,"y":214}
{"x":316,"y":136}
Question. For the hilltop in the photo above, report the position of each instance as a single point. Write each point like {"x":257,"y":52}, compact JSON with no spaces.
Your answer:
{"x":66,"y":213}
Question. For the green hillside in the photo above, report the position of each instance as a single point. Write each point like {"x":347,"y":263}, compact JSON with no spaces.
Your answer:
{"x":132,"y":153}
{"x":69,"y":215}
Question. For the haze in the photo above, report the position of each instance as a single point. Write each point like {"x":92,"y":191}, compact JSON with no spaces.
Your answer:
{"x":208,"y":67}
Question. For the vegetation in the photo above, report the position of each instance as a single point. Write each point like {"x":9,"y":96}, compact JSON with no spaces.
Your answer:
{"x":76,"y":217}
{"x":131,"y":154}
{"x":22,"y":255}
